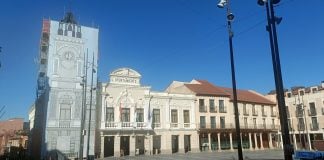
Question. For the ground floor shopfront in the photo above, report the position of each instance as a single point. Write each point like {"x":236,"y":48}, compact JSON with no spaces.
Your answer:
{"x":226,"y":140}
{"x":304,"y":140}
{"x":147,"y":142}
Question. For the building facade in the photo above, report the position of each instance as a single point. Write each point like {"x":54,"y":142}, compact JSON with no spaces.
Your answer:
{"x":135,"y":120}
{"x":67,"y":70}
{"x":216,"y":120}
{"x":305,"y":113}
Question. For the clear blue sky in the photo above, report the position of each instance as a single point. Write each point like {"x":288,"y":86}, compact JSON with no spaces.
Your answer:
{"x":167,"y":40}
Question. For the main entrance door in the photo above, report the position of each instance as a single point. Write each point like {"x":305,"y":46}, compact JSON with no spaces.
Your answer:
{"x":187,"y":144}
{"x":124,"y":145}
{"x":175,"y":143}
{"x":109,"y":146}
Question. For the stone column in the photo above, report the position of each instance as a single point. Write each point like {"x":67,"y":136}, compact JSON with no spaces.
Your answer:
{"x":231,"y":141}
{"x":147,"y":144}
{"x":117,"y":146}
{"x":209,"y":140}
{"x":181,"y":143}
{"x":309,"y":141}
{"x":255,"y":141}
{"x":261,"y":141}
{"x":132,"y":144}
{"x":250,"y":141}
{"x":270,"y":141}
{"x":281,"y":144}
{"x":295,"y":142}
{"x":102,"y":146}
{"x":241,"y":141}
{"x":194,"y":141}
{"x":218,"y":141}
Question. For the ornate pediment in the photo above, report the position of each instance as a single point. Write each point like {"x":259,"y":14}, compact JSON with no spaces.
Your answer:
{"x":125,"y":76}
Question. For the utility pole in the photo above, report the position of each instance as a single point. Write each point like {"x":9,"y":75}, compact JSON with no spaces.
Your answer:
{"x":84,"y":105}
{"x":89,"y":122}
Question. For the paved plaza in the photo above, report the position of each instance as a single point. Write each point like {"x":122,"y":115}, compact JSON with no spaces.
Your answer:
{"x":225,"y":155}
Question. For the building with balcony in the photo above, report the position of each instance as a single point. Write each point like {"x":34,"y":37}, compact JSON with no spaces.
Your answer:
{"x":305,"y":113}
{"x":215,"y":116}
{"x":135,"y":120}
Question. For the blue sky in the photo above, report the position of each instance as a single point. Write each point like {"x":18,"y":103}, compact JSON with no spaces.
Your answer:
{"x":167,"y":40}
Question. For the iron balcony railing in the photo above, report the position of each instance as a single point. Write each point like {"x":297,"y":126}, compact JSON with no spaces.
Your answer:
{"x":299,"y":113}
{"x":274,"y":114}
{"x":246,"y":112}
{"x":264,"y":114}
{"x":202,"y":108}
{"x":314,"y":126}
{"x":232,"y":126}
{"x":212,"y":109}
{"x":301,"y":127}
{"x":130,"y":125}
{"x":312,"y":112}
{"x":254,"y":113}
{"x":222,"y":109}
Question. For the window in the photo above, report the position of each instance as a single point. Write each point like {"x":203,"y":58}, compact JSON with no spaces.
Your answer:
{"x":156,"y":115}
{"x":288,"y":95}
{"x":245,"y":122}
{"x":264,"y":123}
{"x":212,"y":122}
{"x":314,"y":125}
{"x":212,"y":105}
{"x":301,"y":125}
{"x":125,"y":114}
{"x":273,"y":124}
{"x":56,"y":65}
{"x":174,"y":116}
{"x":80,"y":68}
{"x":139,"y":115}
{"x":110,"y":114}
{"x":263,"y":112}
{"x":222,"y":122}
{"x":186,"y":116}
{"x":202,"y":122}
{"x":312,"y":109}
{"x":222,"y":108}
{"x":254,"y":123}
{"x":244,"y":109}
{"x":65,"y":112}
{"x":254,"y":111}
{"x":202,"y":107}
{"x":301,"y":93}
{"x":314,"y":90}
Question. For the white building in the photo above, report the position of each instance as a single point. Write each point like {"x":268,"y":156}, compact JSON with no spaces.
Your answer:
{"x":305,"y":113}
{"x":134,"y":120}
{"x":66,"y":48}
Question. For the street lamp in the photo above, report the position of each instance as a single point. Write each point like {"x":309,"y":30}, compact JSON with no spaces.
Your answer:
{"x":271,"y":28}
{"x":230,"y":18}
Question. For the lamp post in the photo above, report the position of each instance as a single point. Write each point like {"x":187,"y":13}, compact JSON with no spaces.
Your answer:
{"x":230,"y":18}
{"x":271,"y":28}
{"x":89,"y":120}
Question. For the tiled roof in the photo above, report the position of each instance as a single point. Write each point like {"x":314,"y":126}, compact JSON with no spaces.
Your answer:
{"x":249,"y":96}
{"x":206,"y":88}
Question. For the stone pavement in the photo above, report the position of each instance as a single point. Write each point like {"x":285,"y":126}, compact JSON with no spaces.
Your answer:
{"x":225,"y":155}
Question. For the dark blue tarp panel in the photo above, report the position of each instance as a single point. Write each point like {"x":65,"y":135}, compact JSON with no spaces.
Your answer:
{"x":309,"y":155}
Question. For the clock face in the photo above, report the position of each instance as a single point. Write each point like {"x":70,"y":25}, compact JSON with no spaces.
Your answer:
{"x":68,"y":60}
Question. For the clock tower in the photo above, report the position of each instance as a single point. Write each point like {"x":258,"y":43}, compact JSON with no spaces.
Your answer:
{"x":66,"y":49}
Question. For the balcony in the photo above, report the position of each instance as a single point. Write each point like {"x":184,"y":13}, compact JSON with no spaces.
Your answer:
{"x":246,"y":113}
{"x":274,"y":114}
{"x":314,"y":126}
{"x":186,"y":125}
{"x":299,"y":113}
{"x":312,"y":112}
{"x":222,"y":109}
{"x":264,"y":114}
{"x":202,"y":108}
{"x":156,"y":125}
{"x":174,"y":125}
{"x":126,"y":125}
{"x":301,"y":127}
{"x":64,"y":124}
{"x":254,"y":113}
{"x":212,"y":109}
{"x":259,"y":126}
{"x":216,"y":126}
